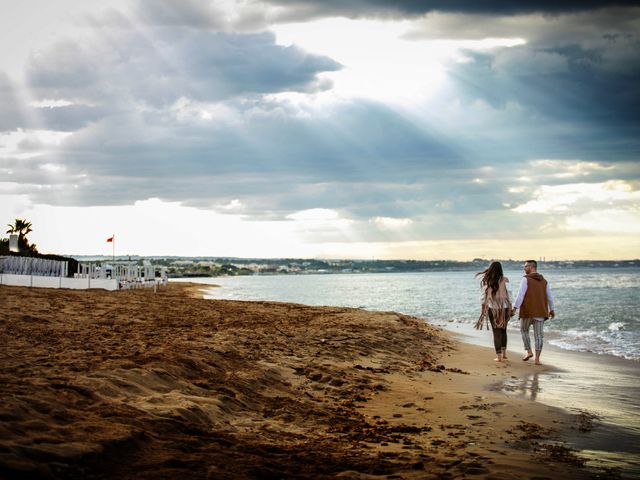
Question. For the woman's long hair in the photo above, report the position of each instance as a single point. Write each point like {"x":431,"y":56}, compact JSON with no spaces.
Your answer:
{"x":491,"y":276}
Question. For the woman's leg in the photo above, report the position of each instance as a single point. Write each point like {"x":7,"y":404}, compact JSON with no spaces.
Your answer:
{"x":497,"y":342}
{"x":504,"y":334}
{"x":497,"y":337}
{"x":504,"y":343}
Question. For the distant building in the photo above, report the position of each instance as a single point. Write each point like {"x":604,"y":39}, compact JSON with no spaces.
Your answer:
{"x":183,"y":262}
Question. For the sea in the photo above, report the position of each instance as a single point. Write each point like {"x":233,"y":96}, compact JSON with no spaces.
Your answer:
{"x":593,"y":343}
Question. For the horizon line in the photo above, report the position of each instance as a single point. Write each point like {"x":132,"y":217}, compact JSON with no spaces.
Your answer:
{"x":477,"y":259}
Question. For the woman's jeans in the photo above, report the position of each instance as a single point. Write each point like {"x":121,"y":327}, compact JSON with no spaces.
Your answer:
{"x":499,"y":334}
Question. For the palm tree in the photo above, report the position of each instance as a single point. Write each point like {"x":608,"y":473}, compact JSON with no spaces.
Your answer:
{"x":22,"y":228}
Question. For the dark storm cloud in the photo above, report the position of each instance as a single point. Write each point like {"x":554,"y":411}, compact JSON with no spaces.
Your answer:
{"x":592,"y":27}
{"x":256,"y":16}
{"x":596,"y":109}
{"x":305,"y":9}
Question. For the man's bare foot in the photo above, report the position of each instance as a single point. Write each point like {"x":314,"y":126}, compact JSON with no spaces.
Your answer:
{"x":537,"y":363}
{"x":497,"y":359}
{"x":527,"y":357}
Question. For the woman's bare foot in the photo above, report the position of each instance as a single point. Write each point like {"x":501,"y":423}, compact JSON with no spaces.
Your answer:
{"x":527,"y":357}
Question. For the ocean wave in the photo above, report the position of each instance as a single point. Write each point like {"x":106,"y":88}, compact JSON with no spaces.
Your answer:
{"x":617,"y":326}
{"x":604,"y":343}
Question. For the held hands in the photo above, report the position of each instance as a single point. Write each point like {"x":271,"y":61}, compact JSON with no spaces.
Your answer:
{"x":552,"y":313}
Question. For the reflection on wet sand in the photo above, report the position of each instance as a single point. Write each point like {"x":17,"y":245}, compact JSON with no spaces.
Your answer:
{"x":526,"y":387}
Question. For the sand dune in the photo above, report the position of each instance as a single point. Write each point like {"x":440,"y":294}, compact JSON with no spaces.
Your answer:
{"x":134,"y":384}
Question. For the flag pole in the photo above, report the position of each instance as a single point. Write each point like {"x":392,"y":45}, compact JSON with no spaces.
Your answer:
{"x":113,"y":245}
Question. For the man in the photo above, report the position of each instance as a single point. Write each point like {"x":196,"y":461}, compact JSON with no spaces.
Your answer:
{"x":535,"y":305}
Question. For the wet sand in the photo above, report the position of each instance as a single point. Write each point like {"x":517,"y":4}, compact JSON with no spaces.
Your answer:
{"x":603,"y":388}
{"x":137,"y":384}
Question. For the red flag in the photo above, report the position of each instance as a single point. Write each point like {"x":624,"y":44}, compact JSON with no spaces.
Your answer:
{"x":110,"y":239}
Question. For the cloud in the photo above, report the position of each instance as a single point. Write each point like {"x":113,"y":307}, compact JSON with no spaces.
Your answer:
{"x":609,"y":207}
{"x":17,"y":113}
{"x":270,"y":162}
{"x":69,"y":118}
{"x":568,"y":95}
{"x":307,"y":9}
{"x":603,"y":40}
{"x":570,"y":197}
{"x":159,"y":68}
{"x":622,"y":221}
{"x":389,"y":223}
{"x":314,"y":215}
{"x":242,"y":16}
{"x":572,"y":169}
{"x":195,"y":13}
{"x":13,"y":113}
{"x":257,"y":16}
{"x":597,"y":25}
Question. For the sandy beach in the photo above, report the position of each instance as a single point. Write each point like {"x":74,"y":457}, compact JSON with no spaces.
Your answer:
{"x":137,"y":384}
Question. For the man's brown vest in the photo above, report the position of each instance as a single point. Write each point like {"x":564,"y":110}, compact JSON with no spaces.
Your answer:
{"x":535,"y":303}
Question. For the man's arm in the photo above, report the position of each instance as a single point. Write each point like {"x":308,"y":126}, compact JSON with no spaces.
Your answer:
{"x":521,"y":291}
{"x":552,"y":312}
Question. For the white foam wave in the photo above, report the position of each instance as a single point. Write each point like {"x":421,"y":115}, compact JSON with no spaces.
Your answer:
{"x":617,"y":326}
{"x":604,"y":343}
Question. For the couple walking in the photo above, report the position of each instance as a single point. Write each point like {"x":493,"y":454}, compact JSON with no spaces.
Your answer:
{"x":534,"y":302}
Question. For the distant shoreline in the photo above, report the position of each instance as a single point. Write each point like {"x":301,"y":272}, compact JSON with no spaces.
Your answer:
{"x":546,"y":266}
{"x":192,"y":267}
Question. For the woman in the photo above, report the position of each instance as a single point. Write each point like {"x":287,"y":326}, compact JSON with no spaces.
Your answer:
{"x":496,"y":303}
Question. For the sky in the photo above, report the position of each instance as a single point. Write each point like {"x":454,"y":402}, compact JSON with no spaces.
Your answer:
{"x":366,"y":129}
